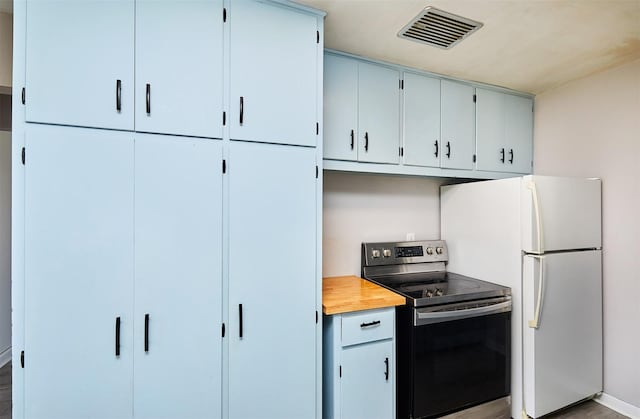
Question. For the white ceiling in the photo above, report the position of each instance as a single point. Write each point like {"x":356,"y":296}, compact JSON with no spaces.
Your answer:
{"x":526,"y":45}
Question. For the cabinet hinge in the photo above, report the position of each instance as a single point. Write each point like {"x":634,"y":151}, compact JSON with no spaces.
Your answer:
{"x":475,"y":98}
{"x":317,"y":37}
{"x":317,"y":173}
{"x":474,"y":158}
{"x":24,"y":98}
{"x":317,"y":128}
{"x":224,"y":14}
{"x":224,"y":166}
{"x":340,"y":370}
{"x":401,"y":151}
{"x":224,"y":119}
{"x":24,"y":155}
{"x":22,"y":359}
{"x":223,"y":330}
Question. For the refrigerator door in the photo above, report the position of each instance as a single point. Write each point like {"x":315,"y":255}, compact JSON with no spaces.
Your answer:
{"x":567,"y":215}
{"x":563,"y":355}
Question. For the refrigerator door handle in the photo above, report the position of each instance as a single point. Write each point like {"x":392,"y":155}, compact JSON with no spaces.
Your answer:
{"x":535,"y":323}
{"x":536,"y":206}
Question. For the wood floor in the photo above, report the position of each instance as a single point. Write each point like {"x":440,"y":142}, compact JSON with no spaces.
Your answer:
{"x":496,"y":410}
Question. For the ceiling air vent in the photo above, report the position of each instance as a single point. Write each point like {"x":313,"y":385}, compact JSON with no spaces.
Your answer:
{"x":438,"y":28}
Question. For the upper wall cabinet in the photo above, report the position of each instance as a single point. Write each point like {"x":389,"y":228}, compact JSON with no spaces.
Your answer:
{"x":504,"y":132}
{"x":273,"y":84}
{"x":458,"y":126}
{"x":421,"y":121}
{"x":361,"y":111}
{"x":179,"y":71}
{"x":80,"y":68}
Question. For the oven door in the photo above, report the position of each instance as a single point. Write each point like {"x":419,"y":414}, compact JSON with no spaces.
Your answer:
{"x":461,"y":356}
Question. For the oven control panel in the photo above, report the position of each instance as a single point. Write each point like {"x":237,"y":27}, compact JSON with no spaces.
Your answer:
{"x":396,"y":253}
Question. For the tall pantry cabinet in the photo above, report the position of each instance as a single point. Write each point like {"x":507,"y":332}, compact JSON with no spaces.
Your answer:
{"x":167,"y":209}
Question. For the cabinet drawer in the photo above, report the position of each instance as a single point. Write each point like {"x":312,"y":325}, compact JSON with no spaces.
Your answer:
{"x":367,"y":326}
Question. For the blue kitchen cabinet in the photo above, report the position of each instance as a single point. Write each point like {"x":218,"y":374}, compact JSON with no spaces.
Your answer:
{"x":519,"y":133}
{"x":421,"y":121}
{"x":81,"y":58}
{"x":341,"y":136}
{"x":80,"y":63}
{"x":123,"y":257}
{"x":272,"y":281}
{"x":362,"y":111}
{"x":504,"y":131}
{"x":274,"y":53}
{"x":359,"y":365}
{"x":458,"y":125}
{"x":179,"y":56}
{"x":79,"y":267}
{"x":178,"y":278}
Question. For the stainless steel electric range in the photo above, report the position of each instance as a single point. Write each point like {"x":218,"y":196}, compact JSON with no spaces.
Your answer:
{"x":453,"y":334}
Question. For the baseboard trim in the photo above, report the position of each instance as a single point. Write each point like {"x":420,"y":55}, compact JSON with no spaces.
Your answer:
{"x":5,"y":356}
{"x":618,"y":405}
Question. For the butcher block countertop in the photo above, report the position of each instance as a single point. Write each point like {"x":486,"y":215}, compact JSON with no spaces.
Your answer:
{"x":343,"y":294}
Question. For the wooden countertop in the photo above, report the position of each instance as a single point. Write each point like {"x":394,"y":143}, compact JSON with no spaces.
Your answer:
{"x":343,"y":294}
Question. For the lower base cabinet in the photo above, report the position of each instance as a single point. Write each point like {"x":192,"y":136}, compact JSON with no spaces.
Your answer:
{"x":359,"y":365}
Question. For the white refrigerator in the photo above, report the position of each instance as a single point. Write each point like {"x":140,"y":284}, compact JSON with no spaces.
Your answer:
{"x":541,"y":236}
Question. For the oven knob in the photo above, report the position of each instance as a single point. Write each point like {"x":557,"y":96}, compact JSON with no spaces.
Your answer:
{"x":429,"y":293}
{"x":386,"y":253}
{"x":429,"y":250}
{"x":375,"y":253}
{"x":439,"y":292}
{"x":439,"y":250}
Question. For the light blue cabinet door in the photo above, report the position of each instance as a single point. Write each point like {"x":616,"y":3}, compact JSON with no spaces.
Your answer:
{"x":458,"y":126}
{"x":272,"y":323}
{"x":178,"y":277}
{"x":490,"y":130}
{"x":78,"y":273}
{"x":519,"y":133}
{"x":79,"y":63}
{"x":366,"y":387}
{"x":421,"y":120}
{"x":179,"y":67}
{"x":340,"y":108}
{"x":273,"y":78}
{"x":378,"y":114}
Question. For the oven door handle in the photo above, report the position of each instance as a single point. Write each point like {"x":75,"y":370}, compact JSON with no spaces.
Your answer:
{"x":423,"y":318}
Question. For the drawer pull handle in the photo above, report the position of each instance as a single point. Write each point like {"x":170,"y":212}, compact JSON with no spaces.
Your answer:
{"x":374,"y":323}
{"x":117,"y":336}
{"x":502,"y":155}
{"x":511,"y":156}
{"x":386,"y":372}
{"x":352,"y":137}
{"x":146,"y":332}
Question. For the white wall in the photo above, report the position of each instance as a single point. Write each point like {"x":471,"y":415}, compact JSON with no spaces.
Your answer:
{"x":5,"y":241}
{"x":591,"y":127}
{"x":6,"y":47}
{"x":363,"y":208}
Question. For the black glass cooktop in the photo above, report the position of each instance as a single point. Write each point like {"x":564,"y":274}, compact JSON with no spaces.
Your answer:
{"x":432,"y":288}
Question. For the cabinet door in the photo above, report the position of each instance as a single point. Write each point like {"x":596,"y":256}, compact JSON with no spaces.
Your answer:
{"x":272,"y":323}
{"x":367,"y":391}
{"x":490,"y":130}
{"x":178,"y":277}
{"x":519,"y":133}
{"x":274,"y":54}
{"x":421,"y":123}
{"x":378,"y":114}
{"x":79,"y":63}
{"x":340,"y":107}
{"x":458,"y":126}
{"x":78,"y":273}
{"x":179,"y":67}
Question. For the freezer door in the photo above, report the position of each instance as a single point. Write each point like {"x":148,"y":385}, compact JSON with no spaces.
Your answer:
{"x":563,"y":355}
{"x":567,"y":216}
